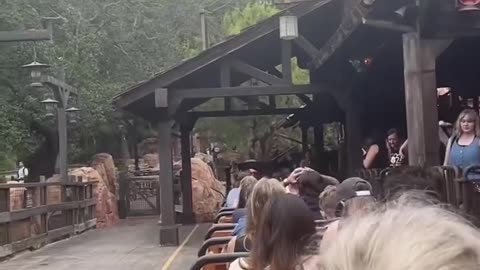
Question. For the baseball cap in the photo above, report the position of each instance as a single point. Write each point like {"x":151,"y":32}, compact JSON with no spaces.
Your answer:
{"x":353,"y":187}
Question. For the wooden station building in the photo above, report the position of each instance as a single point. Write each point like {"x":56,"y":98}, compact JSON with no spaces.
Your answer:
{"x":373,"y":63}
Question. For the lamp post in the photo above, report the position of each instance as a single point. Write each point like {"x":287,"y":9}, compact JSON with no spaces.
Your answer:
{"x":58,"y":104}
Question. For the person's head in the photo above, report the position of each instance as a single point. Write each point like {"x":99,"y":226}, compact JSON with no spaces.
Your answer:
{"x":404,"y":237}
{"x":401,"y":180}
{"x":238,"y":178}
{"x":246,"y":187}
{"x":262,"y":191}
{"x":354,"y":197}
{"x":20,"y":164}
{"x":328,"y":201}
{"x":467,"y":122}
{"x":312,"y":183}
{"x":393,"y":138}
{"x":284,"y":234}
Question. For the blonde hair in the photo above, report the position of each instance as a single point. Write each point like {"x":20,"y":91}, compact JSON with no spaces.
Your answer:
{"x":472,"y":114}
{"x":264,"y":190}
{"x":359,"y":206}
{"x":404,"y":237}
{"x":328,"y":201}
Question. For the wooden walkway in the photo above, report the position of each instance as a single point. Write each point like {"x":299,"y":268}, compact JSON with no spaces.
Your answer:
{"x":132,"y":244}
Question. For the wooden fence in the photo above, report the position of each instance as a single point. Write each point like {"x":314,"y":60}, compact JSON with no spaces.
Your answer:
{"x":35,"y":214}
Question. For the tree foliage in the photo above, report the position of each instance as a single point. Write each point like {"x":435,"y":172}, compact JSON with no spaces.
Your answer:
{"x":252,"y":136}
{"x":104,"y":47}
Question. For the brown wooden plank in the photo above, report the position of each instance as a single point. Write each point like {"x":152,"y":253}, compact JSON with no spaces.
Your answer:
{"x":60,"y":232}
{"x":255,"y":72}
{"x":242,"y":91}
{"x":26,"y":213}
{"x":421,"y":99}
{"x":29,"y":35}
{"x":306,"y":46}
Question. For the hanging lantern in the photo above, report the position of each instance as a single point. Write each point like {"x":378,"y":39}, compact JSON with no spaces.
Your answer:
{"x":36,"y":69}
{"x":50,"y":106}
{"x":288,"y":27}
{"x":73,"y":114}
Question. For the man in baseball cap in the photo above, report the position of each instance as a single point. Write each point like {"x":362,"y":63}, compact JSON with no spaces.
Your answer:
{"x":353,"y":187}
{"x":354,"y":196}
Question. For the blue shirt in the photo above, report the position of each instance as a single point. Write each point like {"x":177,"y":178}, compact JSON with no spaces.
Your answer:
{"x":238,"y":214}
{"x":241,"y":228}
{"x":232,"y":198}
{"x":463,"y":156}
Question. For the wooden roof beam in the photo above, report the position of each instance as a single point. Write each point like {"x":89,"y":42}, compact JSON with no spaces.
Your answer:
{"x":245,"y":91}
{"x":349,"y":24}
{"x":255,"y":73}
{"x":402,"y":28}
{"x":279,"y":111}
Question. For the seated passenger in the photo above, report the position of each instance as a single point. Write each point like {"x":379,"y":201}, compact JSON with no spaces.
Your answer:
{"x":354,"y":198}
{"x":234,"y":193}
{"x":285,"y":239}
{"x":328,"y":202}
{"x":264,"y":189}
{"x":404,"y":236}
{"x":246,"y":187}
{"x":308,"y":184}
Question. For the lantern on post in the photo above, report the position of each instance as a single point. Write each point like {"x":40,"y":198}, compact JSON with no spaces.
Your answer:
{"x":36,"y":69}
{"x":73,"y":114}
{"x":50,"y":106}
{"x":288,"y":27}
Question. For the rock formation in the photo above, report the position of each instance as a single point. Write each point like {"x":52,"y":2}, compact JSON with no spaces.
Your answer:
{"x":207,"y":191}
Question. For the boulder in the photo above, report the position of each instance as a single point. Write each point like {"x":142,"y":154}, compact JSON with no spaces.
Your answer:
{"x":109,"y":170}
{"x":207,"y":191}
{"x":106,"y":210}
{"x":151,"y":160}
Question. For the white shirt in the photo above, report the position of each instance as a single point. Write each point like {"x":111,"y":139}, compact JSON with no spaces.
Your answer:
{"x":22,"y":173}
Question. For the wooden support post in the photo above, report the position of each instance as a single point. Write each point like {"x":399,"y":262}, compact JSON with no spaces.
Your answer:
{"x":272,"y":102}
{"x":304,"y":138}
{"x":287,"y":60}
{"x":168,"y":229}
{"x":353,"y":135}
{"x":187,"y":214}
{"x":226,"y":81}
{"x":421,"y":98}
{"x":319,"y":151}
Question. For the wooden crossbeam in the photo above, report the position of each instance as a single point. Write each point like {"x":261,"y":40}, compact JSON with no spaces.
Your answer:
{"x":245,"y":91}
{"x":382,"y":24}
{"x":256,"y":73}
{"x":307,"y":46}
{"x":349,"y":23}
{"x":57,"y":83}
{"x":30,"y":35}
{"x":280,"y":111}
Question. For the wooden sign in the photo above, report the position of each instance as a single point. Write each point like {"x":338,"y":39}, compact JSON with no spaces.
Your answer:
{"x":466,"y":5}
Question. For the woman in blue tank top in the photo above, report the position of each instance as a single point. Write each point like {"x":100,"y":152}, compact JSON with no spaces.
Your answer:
{"x":463,"y":147}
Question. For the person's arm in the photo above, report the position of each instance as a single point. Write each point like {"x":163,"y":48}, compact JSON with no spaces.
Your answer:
{"x":231,"y":245}
{"x":447,"y":151}
{"x":404,"y":148}
{"x":370,"y":157}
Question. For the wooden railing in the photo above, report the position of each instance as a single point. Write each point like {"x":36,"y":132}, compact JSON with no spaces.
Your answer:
{"x":35,"y":214}
{"x":451,"y":184}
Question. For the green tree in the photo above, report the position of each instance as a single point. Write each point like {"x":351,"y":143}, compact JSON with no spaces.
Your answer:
{"x":251,"y":135}
{"x":104,"y":47}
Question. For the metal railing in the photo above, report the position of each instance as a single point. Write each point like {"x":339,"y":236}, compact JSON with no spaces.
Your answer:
{"x":35,"y":214}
